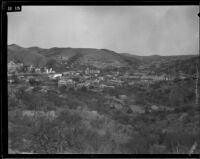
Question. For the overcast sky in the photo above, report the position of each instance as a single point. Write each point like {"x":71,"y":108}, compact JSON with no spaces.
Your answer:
{"x":141,"y":30}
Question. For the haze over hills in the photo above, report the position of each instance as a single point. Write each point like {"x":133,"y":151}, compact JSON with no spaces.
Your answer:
{"x":153,"y":58}
{"x":99,"y":58}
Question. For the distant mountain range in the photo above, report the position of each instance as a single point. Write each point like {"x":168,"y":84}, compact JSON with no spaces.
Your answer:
{"x":99,"y":58}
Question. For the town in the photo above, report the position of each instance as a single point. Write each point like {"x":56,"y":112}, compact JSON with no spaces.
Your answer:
{"x":90,"y":78}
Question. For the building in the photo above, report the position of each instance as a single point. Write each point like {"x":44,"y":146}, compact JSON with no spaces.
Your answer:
{"x":122,"y":96}
{"x":116,"y":82}
{"x":137,"y":109}
{"x":154,"y":108}
{"x":46,"y":70}
{"x":154,"y":77}
{"x":101,"y":78}
{"x":70,"y":84}
{"x":183,"y":76}
{"x":131,"y":83}
{"x":37,"y":70}
{"x":12,"y":78}
{"x":80,"y":85}
{"x":105,"y":86}
{"x":92,"y":71}
{"x":12,"y":67}
{"x":62,"y":83}
{"x":21,"y":77}
{"x":25,"y":68}
{"x":67,"y":83}
{"x":37,"y":114}
{"x":66,"y":73}
{"x":86,"y":77}
{"x":55,"y":76}
{"x":31,"y":69}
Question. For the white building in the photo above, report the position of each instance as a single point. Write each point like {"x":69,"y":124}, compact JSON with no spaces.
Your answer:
{"x":92,"y":71}
{"x":55,"y":76}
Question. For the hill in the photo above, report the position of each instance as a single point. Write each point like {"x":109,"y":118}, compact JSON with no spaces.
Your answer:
{"x":60,"y":58}
{"x":158,"y":58}
{"x":185,"y":65}
{"x":25,"y":55}
{"x":100,"y":58}
{"x":167,"y":64}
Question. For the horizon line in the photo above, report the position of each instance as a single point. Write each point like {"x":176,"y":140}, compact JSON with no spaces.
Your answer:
{"x":101,"y":49}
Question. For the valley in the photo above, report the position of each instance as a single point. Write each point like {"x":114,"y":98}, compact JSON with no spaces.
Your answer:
{"x":97,"y":101}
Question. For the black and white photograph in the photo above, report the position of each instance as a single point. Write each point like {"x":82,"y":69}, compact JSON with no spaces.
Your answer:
{"x":103,"y":79}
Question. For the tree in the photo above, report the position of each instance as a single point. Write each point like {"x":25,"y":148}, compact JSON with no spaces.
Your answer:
{"x":34,"y":82}
{"x":51,"y":63}
{"x":84,"y":89}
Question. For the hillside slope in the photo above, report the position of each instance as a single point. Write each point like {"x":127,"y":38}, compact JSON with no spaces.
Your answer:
{"x":26,"y":56}
{"x":60,"y":58}
{"x":100,"y":58}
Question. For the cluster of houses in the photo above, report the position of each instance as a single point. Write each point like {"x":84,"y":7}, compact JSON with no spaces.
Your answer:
{"x":90,"y":77}
{"x":96,"y":80}
{"x":22,"y":68}
{"x":20,"y":71}
{"x":143,"y":77}
{"x":37,"y":114}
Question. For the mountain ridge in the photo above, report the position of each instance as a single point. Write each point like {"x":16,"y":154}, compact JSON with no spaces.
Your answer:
{"x":101,"y":58}
{"x":78,"y":57}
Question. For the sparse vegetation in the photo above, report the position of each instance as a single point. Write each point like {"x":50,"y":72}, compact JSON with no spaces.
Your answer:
{"x":157,"y":116}
{"x":74,"y":132}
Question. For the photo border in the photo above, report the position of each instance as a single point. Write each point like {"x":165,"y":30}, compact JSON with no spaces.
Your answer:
{"x":4,"y":88}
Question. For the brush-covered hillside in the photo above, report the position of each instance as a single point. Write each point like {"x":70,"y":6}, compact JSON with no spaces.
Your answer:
{"x":61,"y":58}
{"x":100,"y":58}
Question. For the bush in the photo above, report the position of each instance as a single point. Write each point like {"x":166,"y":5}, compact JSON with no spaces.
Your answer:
{"x":70,"y":118}
{"x":137,"y":145}
{"x":84,"y":89}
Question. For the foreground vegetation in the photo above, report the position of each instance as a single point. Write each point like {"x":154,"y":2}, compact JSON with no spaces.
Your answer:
{"x":85,"y":122}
